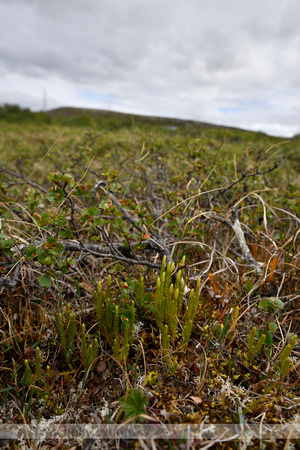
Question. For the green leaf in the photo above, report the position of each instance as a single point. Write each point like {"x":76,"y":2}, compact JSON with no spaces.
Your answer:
{"x":92,"y":212}
{"x":272,"y":327}
{"x":134,"y":403}
{"x":45,"y":260}
{"x":249,"y":285}
{"x":271,"y":303}
{"x":263,"y":304}
{"x":62,"y":264}
{"x":45,"y":281}
{"x":99,"y":221}
{"x":55,"y":195}
{"x":126,"y":316}
{"x":67,"y":233}
{"x":6,"y":241}
{"x":55,"y":177}
{"x":126,"y":319}
{"x":61,"y":221}
{"x":59,"y":247}
{"x":54,"y":252}
{"x":68,"y":178}
{"x":43,"y":220}
{"x":268,"y":352}
{"x":63,"y":267}
{"x":31,"y":252}
{"x":269,"y":337}
{"x":276,"y":302}
{"x":71,"y":261}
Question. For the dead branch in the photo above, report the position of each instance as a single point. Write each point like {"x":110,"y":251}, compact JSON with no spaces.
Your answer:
{"x":22,"y":177}
{"x":236,"y":226}
{"x":123,"y":253}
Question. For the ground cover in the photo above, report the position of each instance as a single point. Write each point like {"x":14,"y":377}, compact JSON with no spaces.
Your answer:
{"x":149,"y":274}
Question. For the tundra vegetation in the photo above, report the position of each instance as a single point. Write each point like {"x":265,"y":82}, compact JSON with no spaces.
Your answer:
{"x":149,"y":273}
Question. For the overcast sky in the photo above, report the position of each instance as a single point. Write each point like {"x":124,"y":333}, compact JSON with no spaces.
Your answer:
{"x":231,"y":62}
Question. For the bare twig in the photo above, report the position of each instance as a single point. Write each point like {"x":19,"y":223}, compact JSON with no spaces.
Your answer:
{"x":244,"y":175}
{"x":22,"y":177}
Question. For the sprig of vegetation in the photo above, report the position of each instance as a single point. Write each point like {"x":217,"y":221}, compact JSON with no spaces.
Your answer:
{"x":254,"y":348}
{"x":115,"y":326}
{"x":284,"y":364}
{"x":67,"y":332}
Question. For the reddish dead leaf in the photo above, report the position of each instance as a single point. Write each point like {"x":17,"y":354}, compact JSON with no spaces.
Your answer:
{"x":194,"y":368}
{"x":197,"y":400}
{"x":101,"y":366}
{"x":145,"y":336}
{"x":87,"y":287}
{"x":95,"y":390}
{"x":113,"y":404}
{"x":85,"y":399}
{"x":28,"y":352}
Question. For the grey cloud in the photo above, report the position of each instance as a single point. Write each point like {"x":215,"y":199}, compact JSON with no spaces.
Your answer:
{"x":184,"y":58}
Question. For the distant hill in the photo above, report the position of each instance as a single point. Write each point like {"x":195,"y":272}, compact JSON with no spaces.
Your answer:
{"x":70,"y":112}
